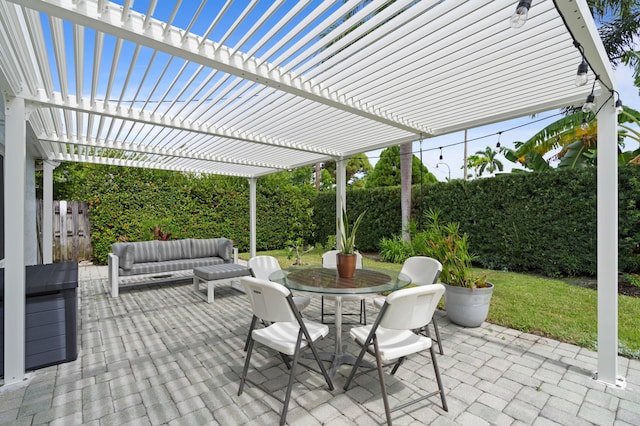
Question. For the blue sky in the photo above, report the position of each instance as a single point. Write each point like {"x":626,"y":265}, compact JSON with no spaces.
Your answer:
{"x":452,"y":145}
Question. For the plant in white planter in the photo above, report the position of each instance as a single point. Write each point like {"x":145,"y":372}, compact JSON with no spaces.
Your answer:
{"x":467,"y":295}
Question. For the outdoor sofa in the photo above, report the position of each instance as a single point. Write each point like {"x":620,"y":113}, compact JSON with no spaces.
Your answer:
{"x":159,"y":260}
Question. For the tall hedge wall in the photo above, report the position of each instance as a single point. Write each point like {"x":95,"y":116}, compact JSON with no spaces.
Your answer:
{"x":129,"y":203}
{"x":536,"y":222}
{"x":542,"y":222}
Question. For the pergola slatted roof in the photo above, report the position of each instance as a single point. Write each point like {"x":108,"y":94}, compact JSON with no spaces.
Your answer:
{"x":250,"y":88}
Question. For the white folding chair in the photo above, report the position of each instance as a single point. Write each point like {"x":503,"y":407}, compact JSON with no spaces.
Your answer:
{"x":287,"y":333}
{"x":392,"y":337}
{"x":329,"y":261}
{"x":263,"y":266}
{"x":422,"y":270}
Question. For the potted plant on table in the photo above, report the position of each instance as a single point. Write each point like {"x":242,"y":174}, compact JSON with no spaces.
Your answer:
{"x":346,"y":258}
{"x":467,"y":295}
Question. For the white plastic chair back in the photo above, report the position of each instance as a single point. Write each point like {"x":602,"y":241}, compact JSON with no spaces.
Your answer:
{"x":268,"y":300}
{"x":329,"y":260}
{"x":263,"y":266}
{"x":411,"y":308}
{"x":422,"y":270}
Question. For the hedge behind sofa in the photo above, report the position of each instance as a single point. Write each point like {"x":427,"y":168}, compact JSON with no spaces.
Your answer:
{"x":150,"y":258}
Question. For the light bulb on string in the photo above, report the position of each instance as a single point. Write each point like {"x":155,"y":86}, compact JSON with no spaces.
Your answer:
{"x":519,"y":17}
{"x":619,"y":107}
{"x":581,"y":76}
{"x":498,"y":144}
{"x":585,"y":124}
{"x":590,"y":104}
{"x":440,"y":153}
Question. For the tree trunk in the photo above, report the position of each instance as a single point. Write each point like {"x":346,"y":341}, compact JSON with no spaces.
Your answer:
{"x":406,"y":159}
{"x":318,"y":170}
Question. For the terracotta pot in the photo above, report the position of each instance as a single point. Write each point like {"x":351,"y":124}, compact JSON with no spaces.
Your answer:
{"x":346,"y":265}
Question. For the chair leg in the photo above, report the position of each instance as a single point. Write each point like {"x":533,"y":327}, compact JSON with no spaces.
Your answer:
{"x":287,"y":397}
{"x":437,"y":330}
{"x":322,"y":309}
{"x":397,"y":365}
{"x":356,"y":365}
{"x":383,"y":388}
{"x":251,"y":327}
{"x":286,"y":360}
{"x":363,"y":311}
{"x":246,"y":364}
{"x":438,"y":379}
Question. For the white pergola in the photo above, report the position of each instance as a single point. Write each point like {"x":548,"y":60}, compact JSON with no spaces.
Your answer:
{"x":250,"y":88}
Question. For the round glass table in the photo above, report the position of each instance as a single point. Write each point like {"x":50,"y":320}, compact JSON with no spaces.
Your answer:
{"x":326,"y":281}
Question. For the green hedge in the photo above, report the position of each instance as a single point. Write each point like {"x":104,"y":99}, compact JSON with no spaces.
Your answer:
{"x":542,"y":222}
{"x":126,"y":204}
{"x":531,"y":222}
{"x":534,"y":222}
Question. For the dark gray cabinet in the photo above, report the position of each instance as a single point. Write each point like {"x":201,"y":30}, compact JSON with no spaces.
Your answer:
{"x":50,"y":315}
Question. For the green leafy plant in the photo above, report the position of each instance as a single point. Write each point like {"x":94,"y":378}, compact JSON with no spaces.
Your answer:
{"x":297,"y":249}
{"x":348,"y":233}
{"x":395,"y":249}
{"x":451,"y":248}
{"x":633,"y":279}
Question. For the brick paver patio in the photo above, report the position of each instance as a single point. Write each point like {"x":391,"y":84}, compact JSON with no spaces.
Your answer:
{"x":159,"y":355}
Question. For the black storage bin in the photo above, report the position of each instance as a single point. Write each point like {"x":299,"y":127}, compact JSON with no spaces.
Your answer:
{"x":50,"y":315}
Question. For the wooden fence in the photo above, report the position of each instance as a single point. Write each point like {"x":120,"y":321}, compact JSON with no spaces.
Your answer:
{"x":71,"y":231}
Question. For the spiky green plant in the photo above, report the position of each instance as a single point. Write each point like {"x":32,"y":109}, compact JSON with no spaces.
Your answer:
{"x":348,"y":233}
{"x":445,"y":243}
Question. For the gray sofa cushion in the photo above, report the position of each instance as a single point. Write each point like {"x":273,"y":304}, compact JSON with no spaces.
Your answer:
{"x":170,"y":250}
{"x":186,"y":248}
{"x":125,"y":253}
{"x":169,"y":266}
{"x":145,"y":251}
{"x":211,"y":247}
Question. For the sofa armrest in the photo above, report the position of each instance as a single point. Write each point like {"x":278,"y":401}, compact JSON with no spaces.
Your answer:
{"x":114,"y":264}
{"x":235,"y":254}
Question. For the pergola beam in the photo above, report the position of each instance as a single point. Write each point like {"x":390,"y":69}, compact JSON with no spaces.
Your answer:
{"x":106,"y":109}
{"x":146,"y":150}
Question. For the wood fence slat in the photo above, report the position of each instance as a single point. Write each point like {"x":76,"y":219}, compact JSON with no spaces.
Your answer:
{"x":71,"y":231}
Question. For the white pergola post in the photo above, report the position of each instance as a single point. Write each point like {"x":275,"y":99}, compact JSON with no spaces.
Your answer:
{"x":607,"y":194}
{"x":47,"y":210}
{"x":252,"y":216}
{"x":14,"y":267}
{"x":341,"y":197}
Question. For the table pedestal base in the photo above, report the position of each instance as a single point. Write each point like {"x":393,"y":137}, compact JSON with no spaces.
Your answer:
{"x":337,"y":360}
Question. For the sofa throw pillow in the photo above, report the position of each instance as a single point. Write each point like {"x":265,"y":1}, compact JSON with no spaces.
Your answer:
{"x":170,"y":250}
{"x":204,"y":248}
{"x":146,"y":251}
{"x":125,"y":253}
{"x":225,"y":249}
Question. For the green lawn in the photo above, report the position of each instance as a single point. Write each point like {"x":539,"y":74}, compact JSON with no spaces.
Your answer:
{"x":537,"y":305}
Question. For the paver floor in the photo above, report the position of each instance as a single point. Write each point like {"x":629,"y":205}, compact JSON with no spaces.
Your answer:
{"x":159,"y":355}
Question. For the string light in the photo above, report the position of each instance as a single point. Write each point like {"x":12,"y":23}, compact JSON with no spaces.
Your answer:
{"x":498,"y":144}
{"x":619,"y":107}
{"x":440,"y":153}
{"x":585,"y":124}
{"x":519,"y":17}
{"x":581,"y":76}
{"x":590,"y":103}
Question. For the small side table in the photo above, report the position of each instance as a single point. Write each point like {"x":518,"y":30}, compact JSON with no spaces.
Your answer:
{"x":216,"y":274}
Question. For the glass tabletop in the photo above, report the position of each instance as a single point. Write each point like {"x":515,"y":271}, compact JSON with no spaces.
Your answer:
{"x":327,"y":281}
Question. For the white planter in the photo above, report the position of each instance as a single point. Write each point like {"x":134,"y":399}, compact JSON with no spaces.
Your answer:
{"x":467,"y":307}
